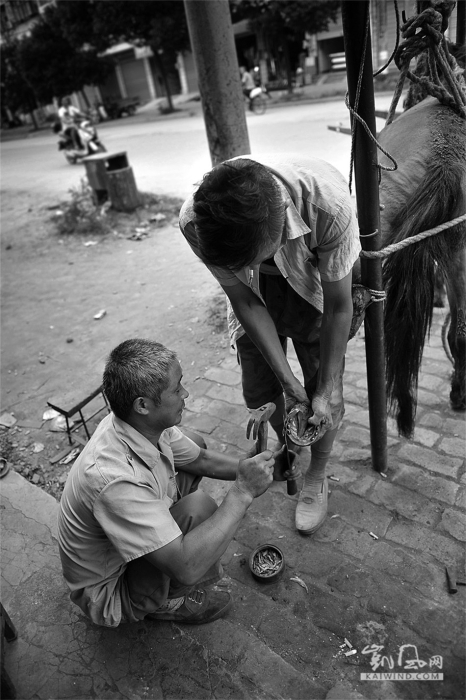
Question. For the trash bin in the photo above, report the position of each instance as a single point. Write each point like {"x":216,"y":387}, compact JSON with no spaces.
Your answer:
{"x":96,"y":171}
{"x":122,"y":189}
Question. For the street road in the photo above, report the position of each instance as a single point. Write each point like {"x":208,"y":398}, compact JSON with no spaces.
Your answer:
{"x":169,"y":155}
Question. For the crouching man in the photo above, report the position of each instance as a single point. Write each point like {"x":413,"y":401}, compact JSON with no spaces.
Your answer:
{"x":137,"y":538}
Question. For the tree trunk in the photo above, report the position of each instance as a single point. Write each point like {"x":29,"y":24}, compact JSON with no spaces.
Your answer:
{"x":161,"y":63}
{"x":222,"y":97}
{"x":286,"y":56}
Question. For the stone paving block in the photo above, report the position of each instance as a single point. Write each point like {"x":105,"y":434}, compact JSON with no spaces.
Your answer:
{"x":461,"y":499}
{"x":233,"y":435}
{"x":345,"y":474}
{"x":453,"y":446}
{"x":226,"y":393}
{"x":428,"y":398}
{"x":355,"y":454}
{"x":223,"y":376}
{"x":363,"y":485}
{"x":409,"y":504}
{"x":448,"y":466}
{"x":425,"y":541}
{"x":254,"y":660}
{"x":229,"y":412}
{"x":425,"y":437}
{"x":430,"y":382}
{"x":420,"y":481}
{"x":434,"y":353}
{"x":352,"y":434}
{"x":454,"y":522}
{"x":202,"y":423}
{"x":431,"y":419}
{"x":231,"y":363}
{"x":456,"y":428}
{"x":354,"y":543}
{"x":361,"y":514}
{"x":197,"y":404}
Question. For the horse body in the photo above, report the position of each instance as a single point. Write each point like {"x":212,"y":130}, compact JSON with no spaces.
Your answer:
{"x":428,"y":142}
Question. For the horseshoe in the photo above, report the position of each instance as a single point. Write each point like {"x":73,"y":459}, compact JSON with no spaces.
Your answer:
{"x":307,"y":437}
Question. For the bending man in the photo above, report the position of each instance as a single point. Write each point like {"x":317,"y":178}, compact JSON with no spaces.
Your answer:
{"x":137,"y":538}
{"x":280,"y":235}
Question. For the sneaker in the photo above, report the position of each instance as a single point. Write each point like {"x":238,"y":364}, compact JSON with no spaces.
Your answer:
{"x":196,"y":608}
{"x":311,"y":508}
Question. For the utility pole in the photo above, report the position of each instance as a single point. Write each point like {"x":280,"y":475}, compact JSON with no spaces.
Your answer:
{"x":213,"y":45}
{"x":356,"y":31}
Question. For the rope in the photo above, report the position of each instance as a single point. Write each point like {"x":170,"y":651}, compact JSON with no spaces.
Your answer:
{"x":423,"y":33}
{"x":385,"y":252}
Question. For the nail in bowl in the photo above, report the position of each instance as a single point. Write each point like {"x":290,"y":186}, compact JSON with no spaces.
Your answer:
{"x":267,"y":563}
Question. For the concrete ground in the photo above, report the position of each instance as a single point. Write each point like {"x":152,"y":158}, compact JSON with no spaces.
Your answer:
{"x":374,"y":574}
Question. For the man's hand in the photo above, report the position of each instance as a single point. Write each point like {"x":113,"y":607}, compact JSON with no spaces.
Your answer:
{"x":255,"y":474}
{"x":322,"y":415}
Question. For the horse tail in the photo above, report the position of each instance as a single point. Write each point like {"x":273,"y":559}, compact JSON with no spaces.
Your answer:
{"x":409,"y":282}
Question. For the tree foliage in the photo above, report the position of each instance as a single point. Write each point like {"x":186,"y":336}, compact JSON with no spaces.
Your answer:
{"x":161,"y":25}
{"x":16,"y":92}
{"x":289,"y":18}
{"x":53,"y":65}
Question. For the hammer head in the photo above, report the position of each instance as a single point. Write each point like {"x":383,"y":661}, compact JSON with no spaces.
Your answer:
{"x":259,"y":416}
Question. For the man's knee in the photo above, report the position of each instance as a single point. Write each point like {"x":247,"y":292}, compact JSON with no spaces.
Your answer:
{"x":192,"y":510}
{"x":195,"y":438}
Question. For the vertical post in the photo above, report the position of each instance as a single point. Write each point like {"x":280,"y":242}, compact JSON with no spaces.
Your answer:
{"x":213,"y":45}
{"x":460,"y":22}
{"x":356,"y":30}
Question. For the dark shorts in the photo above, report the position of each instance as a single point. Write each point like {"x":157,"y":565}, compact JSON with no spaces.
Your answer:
{"x":296,"y":319}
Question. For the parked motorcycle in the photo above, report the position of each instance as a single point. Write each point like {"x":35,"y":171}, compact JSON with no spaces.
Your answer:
{"x":88,"y":142}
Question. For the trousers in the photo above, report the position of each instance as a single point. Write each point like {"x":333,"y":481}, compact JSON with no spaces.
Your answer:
{"x":145,"y":588}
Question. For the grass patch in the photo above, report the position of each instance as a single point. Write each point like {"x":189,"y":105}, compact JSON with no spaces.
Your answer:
{"x":79,"y":215}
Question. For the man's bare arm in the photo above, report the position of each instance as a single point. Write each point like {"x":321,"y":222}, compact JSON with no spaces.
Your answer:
{"x":188,"y":557}
{"x":260,"y":328}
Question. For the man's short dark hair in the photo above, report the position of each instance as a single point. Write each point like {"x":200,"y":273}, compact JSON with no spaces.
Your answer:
{"x":236,"y":206}
{"x":136,"y":367}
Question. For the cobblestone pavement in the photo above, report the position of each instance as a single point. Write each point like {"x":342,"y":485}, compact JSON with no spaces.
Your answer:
{"x":281,"y":640}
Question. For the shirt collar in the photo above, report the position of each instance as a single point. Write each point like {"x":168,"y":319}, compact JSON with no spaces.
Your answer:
{"x":144,"y":449}
{"x":294,"y":224}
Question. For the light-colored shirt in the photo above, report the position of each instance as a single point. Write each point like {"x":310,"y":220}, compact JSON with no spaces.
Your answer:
{"x":247,"y":81}
{"x":115,"y":507}
{"x":321,"y":237}
{"x":68,"y":115}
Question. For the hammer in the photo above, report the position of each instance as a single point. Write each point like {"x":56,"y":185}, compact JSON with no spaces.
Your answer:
{"x":258,"y":423}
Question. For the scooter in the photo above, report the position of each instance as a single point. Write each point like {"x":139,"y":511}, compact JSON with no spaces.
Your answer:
{"x":257,"y":99}
{"x":87,"y":137}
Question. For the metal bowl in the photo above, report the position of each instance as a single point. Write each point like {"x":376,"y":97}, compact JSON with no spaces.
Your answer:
{"x":267,"y":563}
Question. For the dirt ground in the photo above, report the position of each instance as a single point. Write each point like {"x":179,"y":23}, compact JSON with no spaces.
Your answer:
{"x":61,"y":265}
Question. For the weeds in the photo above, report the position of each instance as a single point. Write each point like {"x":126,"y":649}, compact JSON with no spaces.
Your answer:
{"x":80,"y":215}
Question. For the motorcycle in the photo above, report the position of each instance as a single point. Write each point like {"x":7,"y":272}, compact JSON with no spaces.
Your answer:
{"x":88,"y":142}
{"x":257,"y":99}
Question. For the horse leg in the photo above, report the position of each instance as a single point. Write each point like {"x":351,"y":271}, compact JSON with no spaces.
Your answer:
{"x":456,"y":291}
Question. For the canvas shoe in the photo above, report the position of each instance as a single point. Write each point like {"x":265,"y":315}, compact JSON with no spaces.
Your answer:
{"x":311,"y":508}
{"x":196,"y":608}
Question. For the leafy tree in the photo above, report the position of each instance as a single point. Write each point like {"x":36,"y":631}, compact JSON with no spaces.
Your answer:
{"x":16,"y":92}
{"x":286,"y":20}
{"x":101,"y":24}
{"x":53,"y":65}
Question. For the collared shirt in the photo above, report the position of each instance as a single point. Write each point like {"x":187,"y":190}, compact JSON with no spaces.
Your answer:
{"x":321,"y":237}
{"x":115,"y":507}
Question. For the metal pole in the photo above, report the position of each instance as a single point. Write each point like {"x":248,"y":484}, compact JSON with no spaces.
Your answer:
{"x":356,"y":30}
{"x":213,"y":45}
{"x":461,"y":22}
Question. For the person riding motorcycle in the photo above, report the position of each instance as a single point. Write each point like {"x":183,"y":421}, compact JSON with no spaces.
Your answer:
{"x":68,"y":115}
